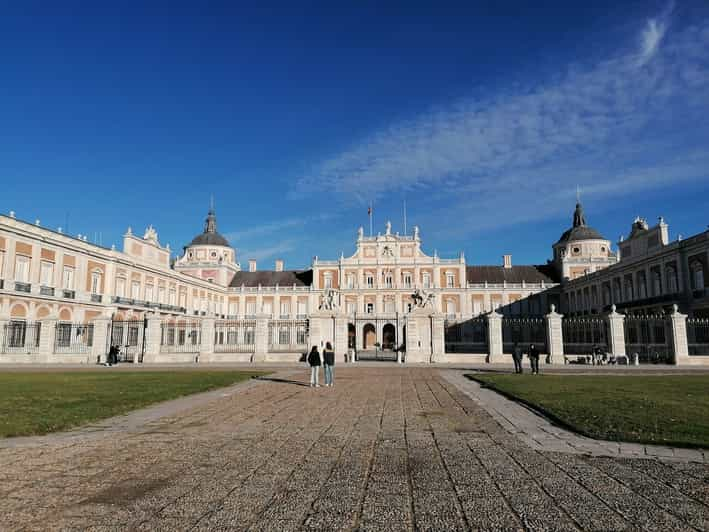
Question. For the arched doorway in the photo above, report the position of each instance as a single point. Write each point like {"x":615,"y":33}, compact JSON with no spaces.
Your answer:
{"x":351,"y":336}
{"x":388,"y":336}
{"x":369,"y":336}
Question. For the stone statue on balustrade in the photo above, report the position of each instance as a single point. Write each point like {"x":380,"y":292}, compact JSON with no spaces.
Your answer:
{"x":328,"y":301}
{"x":422,"y":298}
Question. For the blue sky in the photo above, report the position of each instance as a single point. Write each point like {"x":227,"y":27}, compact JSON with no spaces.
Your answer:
{"x":483,"y":116}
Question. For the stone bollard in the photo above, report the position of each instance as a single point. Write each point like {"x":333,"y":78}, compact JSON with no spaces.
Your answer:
{"x":678,"y":325}
{"x":494,"y":328}
{"x":616,"y":326}
{"x":153,"y":338}
{"x":261,"y":338}
{"x":99,"y":349}
{"x":47,"y":335}
{"x":438,"y":338}
{"x":206,"y":347}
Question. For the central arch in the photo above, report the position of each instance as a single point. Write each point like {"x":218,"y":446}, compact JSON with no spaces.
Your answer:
{"x":388,"y":336}
{"x":369,"y":336}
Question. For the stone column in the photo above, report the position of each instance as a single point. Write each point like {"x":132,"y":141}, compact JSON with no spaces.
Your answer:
{"x":206,"y":348}
{"x":616,"y":327}
{"x":47,"y":334}
{"x":414,"y":350}
{"x":555,"y":336}
{"x":678,"y":326}
{"x":438,"y":338}
{"x":261,"y":338}
{"x":494,"y":329}
{"x":100,"y":345}
{"x":153,"y":337}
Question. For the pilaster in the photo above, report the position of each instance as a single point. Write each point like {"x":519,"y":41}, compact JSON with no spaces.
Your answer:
{"x":616,"y":327}
{"x":153,"y":336}
{"x":555,"y":336}
{"x":261,"y":338}
{"x":206,"y":348}
{"x":101,"y":331}
{"x":47,"y":334}
{"x":494,"y":329}
{"x":678,"y":325}
{"x":438,"y":339}
{"x":340,"y":336}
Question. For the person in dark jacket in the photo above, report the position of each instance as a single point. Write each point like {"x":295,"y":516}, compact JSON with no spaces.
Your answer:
{"x":113,"y":355}
{"x":534,"y":359}
{"x":517,"y":358}
{"x":314,"y":361}
{"x":329,"y":363}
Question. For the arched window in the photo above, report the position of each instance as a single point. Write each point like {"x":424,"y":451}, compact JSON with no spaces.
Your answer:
{"x":656,"y":283}
{"x":642,"y":285}
{"x":629,"y":292}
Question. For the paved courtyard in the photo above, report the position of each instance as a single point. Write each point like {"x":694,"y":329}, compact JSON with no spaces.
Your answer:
{"x":387,"y":448}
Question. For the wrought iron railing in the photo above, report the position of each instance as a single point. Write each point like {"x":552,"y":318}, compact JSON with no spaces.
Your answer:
{"x":235,"y":336}
{"x":470,"y":336}
{"x":649,"y":337}
{"x":96,"y":298}
{"x":20,"y":337}
{"x":22,"y":287}
{"x":698,"y":336}
{"x":184,"y":337}
{"x":68,"y":294}
{"x":74,"y":338}
{"x":287,"y":335}
{"x":581,"y":336}
{"x":524,"y":332}
{"x":46,"y":291}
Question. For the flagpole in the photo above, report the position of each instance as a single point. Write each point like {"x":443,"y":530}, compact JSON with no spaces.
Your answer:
{"x":405,"y":233}
{"x":370,"y":219}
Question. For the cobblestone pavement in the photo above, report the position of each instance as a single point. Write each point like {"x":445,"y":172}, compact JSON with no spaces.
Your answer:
{"x":385,"y":449}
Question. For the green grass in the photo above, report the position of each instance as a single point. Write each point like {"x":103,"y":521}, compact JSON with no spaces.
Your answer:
{"x":664,"y":410}
{"x":39,"y":403}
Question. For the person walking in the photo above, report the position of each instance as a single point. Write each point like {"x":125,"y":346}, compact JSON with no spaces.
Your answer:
{"x":314,"y":362}
{"x":517,"y":357}
{"x":329,"y":363}
{"x":534,"y":359}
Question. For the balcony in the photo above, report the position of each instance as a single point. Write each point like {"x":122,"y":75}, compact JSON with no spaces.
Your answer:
{"x":22,"y":287}
{"x":68,"y":294}
{"x":46,"y":291}
{"x":96,"y":298}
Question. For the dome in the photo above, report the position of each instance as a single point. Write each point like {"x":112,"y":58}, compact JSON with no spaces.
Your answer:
{"x":210,"y":236}
{"x":579,"y":230}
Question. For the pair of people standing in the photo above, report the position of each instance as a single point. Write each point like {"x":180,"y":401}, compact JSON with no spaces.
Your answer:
{"x":328,"y":363}
{"x":533,"y":355}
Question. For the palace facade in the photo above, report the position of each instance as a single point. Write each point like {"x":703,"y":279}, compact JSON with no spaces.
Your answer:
{"x":47,"y":274}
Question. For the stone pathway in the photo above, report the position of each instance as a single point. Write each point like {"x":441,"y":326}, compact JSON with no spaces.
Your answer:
{"x":540,"y":434}
{"x":387,"y":448}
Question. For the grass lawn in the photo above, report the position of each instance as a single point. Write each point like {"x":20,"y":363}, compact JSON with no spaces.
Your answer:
{"x":664,"y":410}
{"x":38,"y":403}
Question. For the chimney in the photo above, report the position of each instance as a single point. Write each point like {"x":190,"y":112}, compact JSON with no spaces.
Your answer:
{"x":507,"y":261}
{"x":252,"y":265}
{"x":279,"y":265}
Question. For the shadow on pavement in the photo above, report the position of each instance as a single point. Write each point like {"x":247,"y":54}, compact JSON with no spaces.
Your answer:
{"x":285,"y":381}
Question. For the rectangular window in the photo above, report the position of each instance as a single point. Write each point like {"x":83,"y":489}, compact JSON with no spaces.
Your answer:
{"x":22,"y":269}
{"x":173,"y":297}
{"x":251,"y":308}
{"x":161,"y":295}
{"x":148,"y":292}
{"x":135,"y":290}
{"x":95,"y":283}
{"x":302,"y":307}
{"x":369,"y":309}
{"x":183,"y":300}
{"x":370,"y":281}
{"x":350,"y":281}
{"x":426,"y":280}
{"x":68,"y":278}
{"x":46,"y":274}
{"x":2,"y":263}
{"x":389,"y":281}
{"x":285,"y":308}
{"x":351,"y":308}
{"x":407,"y":280}
{"x":120,"y":287}
{"x":233,"y":309}
{"x":450,"y":280}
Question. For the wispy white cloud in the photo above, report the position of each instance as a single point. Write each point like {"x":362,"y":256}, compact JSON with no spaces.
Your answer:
{"x":611,"y":127}
{"x":274,"y":251}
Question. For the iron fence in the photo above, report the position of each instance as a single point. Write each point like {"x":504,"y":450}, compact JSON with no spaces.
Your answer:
{"x":582,"y":335}
{"x":183,"y":337}
{"x":650,"y":337}
{"x":470,"y":336}
{"x":524,"y":331}
{"x":698,"y":336}
{"x":20,"y":337}
{"x":235,"y":336}
{"x":129,"y":336}
{"x":74,"y":338}
{"x":287,"y":335}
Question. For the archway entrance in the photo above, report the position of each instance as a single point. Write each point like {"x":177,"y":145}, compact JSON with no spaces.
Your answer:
{"x":351,"y":336}
{"x":369,"y":336}
{"x":388,"y":337}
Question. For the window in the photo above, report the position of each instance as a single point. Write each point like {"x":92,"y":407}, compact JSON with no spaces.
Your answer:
{"x":46,"y":274}
{"x":251,"y":308}
{"x":629,"y":292}
{"x":369,"y":308}
{"x":351,"y":307}
{"x":148,"y":292}
{"x":390,"y":306}
{"x":450,"y":307}
{"x":172,"y":296}
{"x":22,"y":269}
{"x":642,"y":285}
{"x":68,"y":278}
{"x":183,"y":300}
{"x":120,"y":287}
{"x":409,"y":307}
{"x":267,"y":307}
{"x":285,"y":308}
{"x":2,"y":262}
{"x":135,"y":290}
{"x":370,"y":281}
{"x":96,"y":282}
{"x":389,"y":281}
{"x":328,"y":280}
{"x":233,"y":310}
{"x":426,"y":280}
{"x":671,"y":275}
{"x":656,"y":283}
{"x":407,"y":280}
{"x":450,"y":279}
{"x":350,"y":281}
{"x":302,"y":307}
{"x":697,"y":276}
{"x":161,"y":295}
